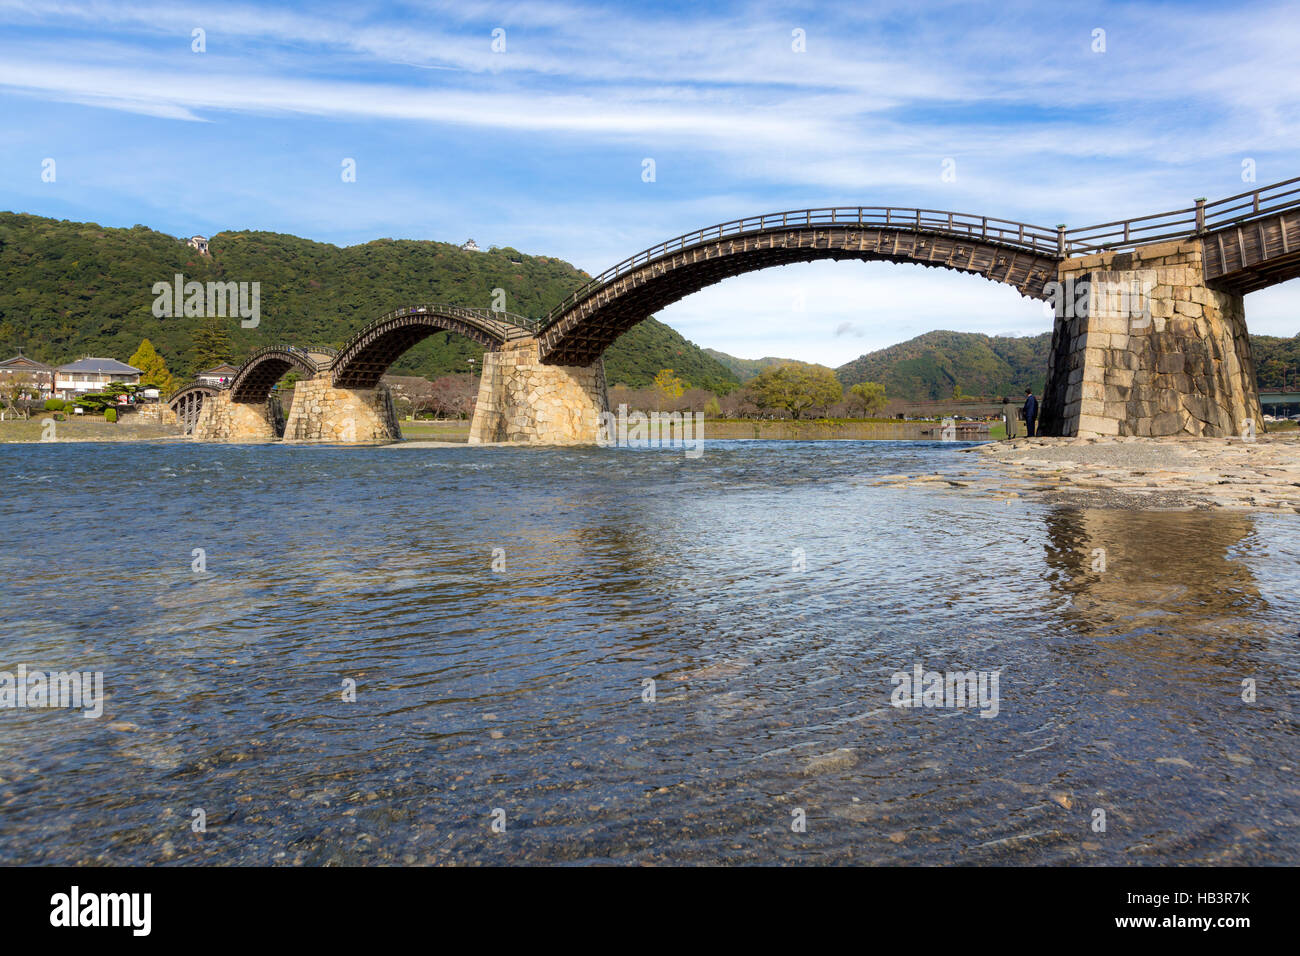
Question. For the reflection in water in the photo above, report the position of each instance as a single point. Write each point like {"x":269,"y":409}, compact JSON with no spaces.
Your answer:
{"x":769,"y":591}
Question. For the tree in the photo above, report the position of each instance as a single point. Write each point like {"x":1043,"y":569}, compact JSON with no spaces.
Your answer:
{"x":796,"y":387}
{"x":153,"y":368}
{"x":870,"y":397}
{"x":712,"y":409}
{"x":446,"y":396}
{"x":669,"y":385}
{"x":15,"y":388}
{"x":211,"y":344}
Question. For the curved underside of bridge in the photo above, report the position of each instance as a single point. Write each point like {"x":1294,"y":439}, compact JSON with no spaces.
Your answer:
{"x":255,"y":378}
{"x":370,"y":353}
{"x":187,"y":403}
{"x":191,"y":391}
{"x":1247,"y":257}
{"x":586,"y":327}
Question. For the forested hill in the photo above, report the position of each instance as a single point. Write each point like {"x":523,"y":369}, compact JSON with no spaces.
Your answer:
{"x":932,"y":365}
{"x":70,"y":289}
{"x":1277,"y":360}
{"x":746,"y":369}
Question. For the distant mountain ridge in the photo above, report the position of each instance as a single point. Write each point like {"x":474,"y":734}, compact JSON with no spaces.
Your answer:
{"x":746,"y":369}
{"x":933,"y":365}
{"x":70,"y":289}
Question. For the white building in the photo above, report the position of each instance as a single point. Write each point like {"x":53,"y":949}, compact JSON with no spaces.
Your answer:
{"x":200,"y":243}
{"x":219,"y":375}
{"x":92,"y":375}
{"x":471,"y":246}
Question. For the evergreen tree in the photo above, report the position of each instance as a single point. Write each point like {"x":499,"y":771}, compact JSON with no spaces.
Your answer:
{"x":153,"y":368}
{"x":210,"y":344}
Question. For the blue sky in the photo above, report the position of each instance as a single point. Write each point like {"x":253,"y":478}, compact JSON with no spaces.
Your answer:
{"x":541,"y":147}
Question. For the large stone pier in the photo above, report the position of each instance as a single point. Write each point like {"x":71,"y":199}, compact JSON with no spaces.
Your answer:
{"x":522,"y":400}
{"x":1155,"y":352}
{"x":221,"y":419}
{"x":323,"y":413}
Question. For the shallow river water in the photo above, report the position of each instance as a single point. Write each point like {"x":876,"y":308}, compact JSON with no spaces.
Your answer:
{"x":632,"y":656}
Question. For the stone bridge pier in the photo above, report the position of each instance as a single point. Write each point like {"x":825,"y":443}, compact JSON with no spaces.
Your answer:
{"x":1151,"y":351}
{"x":322,"y":412}
{"x":522,"y":400}
{"x":221,"y":419}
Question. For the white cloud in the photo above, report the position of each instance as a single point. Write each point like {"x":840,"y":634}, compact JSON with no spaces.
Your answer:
{"x":796,"y":311}
{"x":1040,"y":128}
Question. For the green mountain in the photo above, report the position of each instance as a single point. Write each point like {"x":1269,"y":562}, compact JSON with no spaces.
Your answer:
{"x":746,"y":369}
{"x":649,"y":346}
{"x":932,"y":365}
{"x":69,"y":289}
{"x":1277,"y":360}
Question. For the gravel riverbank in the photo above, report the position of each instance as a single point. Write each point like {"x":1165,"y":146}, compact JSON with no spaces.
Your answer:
{"x":1141,"y":473}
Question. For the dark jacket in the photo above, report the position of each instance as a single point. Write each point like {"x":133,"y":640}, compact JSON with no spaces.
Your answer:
{"x":1031,"y":408}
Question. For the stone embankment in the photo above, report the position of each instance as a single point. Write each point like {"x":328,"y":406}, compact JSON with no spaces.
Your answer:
{"x":1130,"y":472}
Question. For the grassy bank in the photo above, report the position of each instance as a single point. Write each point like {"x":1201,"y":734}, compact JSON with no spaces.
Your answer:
{"x":816,"y":429}
{"x":85,"y":429}
{"x":435,"y":430}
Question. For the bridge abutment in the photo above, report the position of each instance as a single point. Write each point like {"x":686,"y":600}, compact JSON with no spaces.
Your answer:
{"x":522,"y":400}
{"x":221,"y":419}
{"x":324,"y":413}
{"x":1148,"y":349}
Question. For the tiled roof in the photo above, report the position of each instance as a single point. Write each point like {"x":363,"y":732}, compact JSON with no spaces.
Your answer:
{"x":108,"y":365}
{"x":23,"y":361}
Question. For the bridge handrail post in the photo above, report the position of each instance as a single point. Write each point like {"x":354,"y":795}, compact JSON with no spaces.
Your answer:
{"x":1060,"y":240}
{"x":1200,"y":215}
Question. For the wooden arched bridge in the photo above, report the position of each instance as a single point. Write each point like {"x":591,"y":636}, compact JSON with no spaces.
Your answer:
{"x":1212,"y":253}
{"x":359,"y":364}
{"x":1249,"y":241}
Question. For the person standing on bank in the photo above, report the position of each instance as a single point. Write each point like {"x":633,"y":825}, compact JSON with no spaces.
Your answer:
{"x":1009,"y":417}
{"x":1031,"y":411}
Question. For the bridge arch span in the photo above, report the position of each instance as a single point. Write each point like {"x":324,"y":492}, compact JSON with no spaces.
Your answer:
{"x":253,"y":382}
{"x":581,"y":327}
{"x":370,"y":353}
{"x":187,"y":402}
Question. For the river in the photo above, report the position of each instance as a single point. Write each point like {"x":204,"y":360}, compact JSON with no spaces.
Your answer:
{"x":632,"y":656}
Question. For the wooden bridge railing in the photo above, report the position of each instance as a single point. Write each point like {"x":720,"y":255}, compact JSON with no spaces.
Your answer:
{"x":1184,"y":223}
{"x":1007,"y":232}
{"x":1059,"y":243}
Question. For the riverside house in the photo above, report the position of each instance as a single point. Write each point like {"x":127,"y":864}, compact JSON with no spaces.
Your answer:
{"x":38,"y":373}
{"x":92,"y":375}
{"x":219,"y":375}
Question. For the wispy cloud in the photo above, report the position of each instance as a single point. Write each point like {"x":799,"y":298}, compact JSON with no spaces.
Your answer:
{"x":541,"y":146}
